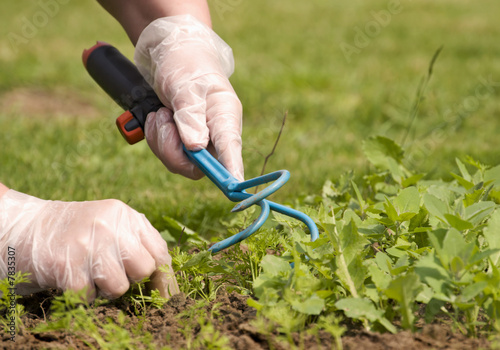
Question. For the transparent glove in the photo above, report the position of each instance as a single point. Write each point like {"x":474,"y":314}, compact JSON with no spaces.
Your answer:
{"x":101,"y":245}
{"x":188,"y":66}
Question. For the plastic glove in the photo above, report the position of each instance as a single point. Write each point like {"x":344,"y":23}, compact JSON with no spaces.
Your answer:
{"x":72,"y":245}
{"x":188,"y":66}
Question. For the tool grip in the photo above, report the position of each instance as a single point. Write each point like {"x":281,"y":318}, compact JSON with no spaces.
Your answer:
{"x":121,"y":80}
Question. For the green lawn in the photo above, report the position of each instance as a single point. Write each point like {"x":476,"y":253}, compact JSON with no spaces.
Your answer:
{"x":344,"y":71}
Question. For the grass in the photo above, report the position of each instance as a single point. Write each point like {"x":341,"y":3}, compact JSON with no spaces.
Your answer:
{"x":288,"y":58}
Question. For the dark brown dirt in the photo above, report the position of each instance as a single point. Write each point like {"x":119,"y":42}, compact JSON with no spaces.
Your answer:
{"x":176,"y":325}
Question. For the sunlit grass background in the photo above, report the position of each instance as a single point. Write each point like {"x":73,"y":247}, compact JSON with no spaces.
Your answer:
{"x":58,"y":139}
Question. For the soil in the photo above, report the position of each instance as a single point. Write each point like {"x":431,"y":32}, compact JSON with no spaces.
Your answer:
{"x":175,"y":325}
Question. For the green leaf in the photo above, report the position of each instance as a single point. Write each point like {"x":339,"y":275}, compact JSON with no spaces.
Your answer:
{"x":350,"y":245}
{"x":311,"y":306}
{"x":358,"y":196}
{"x":407,"y":201}
{"x":431,"y":272}
{"x":380,"y":278}
{"x":383,"y":261}
{"x":493,"y":175}
{"x":473,"y":290}
{"x":201,"y":259}
{"x":435,"y":206}
{"x":463,"y":170}
{"x":477,"y":212}
{"x":412,"y":180}
{"x":491,"y":234}
{"x":274,"y":265}
{"x":458,"y":223}
{"x":404,"y":290}
{"x":473,"y":197}
{"x":464,"y":183}
{"x":379,"y":150}
{"x":385,"y":154}
{"x":358,"y":308}
{"x":390,"y":210}
{"x":255,"y":304}
{"x":454,"y":245}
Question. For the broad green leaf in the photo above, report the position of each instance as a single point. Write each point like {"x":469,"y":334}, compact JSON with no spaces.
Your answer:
{"x":407,"y":201}
{"x":456,"y":265}
{"x":473,"y":197}
{"x":358,"y":196}
{"x":380,"y":278}
{"x":358,"y":308}
{"x":379,"y":150}
{"x":385,"y":154}
{"x":418,"y":221}
{"x":430,"y":271}
{"x":273,"y":265}
{"x":491,"y":234}
{"x":390,"y":210}
{"x":463,"y":170}
{"x":435,"y":206}
{"x":311,"y":306}
{"x":425,"y":294}
{"x":395,"y":252}
{"x":454,"y":245}
{"x":201,"y":259}
{"x":480,"y":256}
{"x":255,"y":304}
{"x":464,"y":183}
{"x":383,"y":261}
{"x":412,"y":180}
{"x":349,"y":259}
{"x":404,"y":290}
{"x":493,"y":175}
{"x":437,"y":237}
{"x":388,"y":325}
{"x":472,"y":290}
{"x":477,"y":212}
{"x":457,"y":222}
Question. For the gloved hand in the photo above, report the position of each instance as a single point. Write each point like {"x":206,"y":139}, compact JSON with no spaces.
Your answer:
{"x":71,"y":245}
{"x":188,"y":66}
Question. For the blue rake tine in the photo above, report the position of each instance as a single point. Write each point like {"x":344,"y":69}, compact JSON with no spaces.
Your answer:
{"x":235,"y":191}
{"x":250,"y":230}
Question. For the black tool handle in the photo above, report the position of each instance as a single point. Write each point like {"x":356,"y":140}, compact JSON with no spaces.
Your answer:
{"x":121,"y":80}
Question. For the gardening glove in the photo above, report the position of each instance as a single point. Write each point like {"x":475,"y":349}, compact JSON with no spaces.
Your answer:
{"x":188,"y":66}
{"x":71,"y":245}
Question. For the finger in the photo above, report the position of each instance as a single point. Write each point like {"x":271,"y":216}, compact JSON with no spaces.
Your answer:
{"x":189,"y":104}
{"x":165,"y":280}
{"x":109,"y":276}
{"x":71,"y":273}
{"x":137,"y":261}
{"x":225,"y":123}
{"x":164,"y":140}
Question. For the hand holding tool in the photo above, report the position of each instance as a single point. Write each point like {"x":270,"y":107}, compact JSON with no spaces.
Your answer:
{"x":121,"y":80}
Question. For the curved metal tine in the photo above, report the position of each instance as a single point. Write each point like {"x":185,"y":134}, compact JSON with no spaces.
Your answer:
{"x":250,"y":230}
{"x":280,"y":177}
{"x":313,"y":229}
